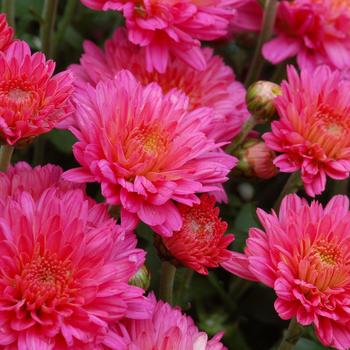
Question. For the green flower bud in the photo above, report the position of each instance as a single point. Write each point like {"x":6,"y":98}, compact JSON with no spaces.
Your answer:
{"x":260,"y":100}
{"x":142,"y":278}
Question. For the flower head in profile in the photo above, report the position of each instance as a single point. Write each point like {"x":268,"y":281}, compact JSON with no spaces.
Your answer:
{"x":146,"y":149}
{"x":255,"y":159}
{"x":215,"y":87}
{"x":65,"y":267}
{"x":200,"y":243}
{"x":313,"y":130}
{"x":6,"y":33}
{"x":171,"y":27}
{"x":22,"y":177}
{"x":167,"y":329}
{"x":317,"y":32}
{"x":304,"y":254}
{"x":32,"y":99}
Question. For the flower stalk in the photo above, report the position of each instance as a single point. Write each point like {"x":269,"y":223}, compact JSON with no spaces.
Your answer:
{"x":291,"y":336}
{"x":265,"y":34}
{"x":6,"y":152}
{"x":167,"y":277}
{"x":291,"y":186}
{"x":237,"y":141}
{"x":47,"y":26}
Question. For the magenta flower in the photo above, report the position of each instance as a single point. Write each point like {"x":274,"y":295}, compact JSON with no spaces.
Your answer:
{"x":32,"y":100}
{"x":65,"y":267}
{"x":304,"y":254}
{"x":317,"y":32}
{"x":313,"y":132}
{"x":146,"y":150}
{"x":172,"y":27}
{"x":215,"y":87}
{"x":167,"y":329}
{"x":6,"y":33}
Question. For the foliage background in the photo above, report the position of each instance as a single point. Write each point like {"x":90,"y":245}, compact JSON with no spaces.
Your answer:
{"x":243,"y":310}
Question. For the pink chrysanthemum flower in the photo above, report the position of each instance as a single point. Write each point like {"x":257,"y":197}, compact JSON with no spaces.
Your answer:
{"x":313,"y":133}
{"x":22,"y":177}
{"x":6,"y":33}
{"x":316,"y":31}
{"x":200,"y":243}
{"x":249,"y":16}
{"x":167,"y":329}
{"x":171,"y":27}
{"x":32,"y":100}
{"x":304,"y":254}
{"x":215,"y":87}
{"x":146,"y":150}
{"x":65,"y":267}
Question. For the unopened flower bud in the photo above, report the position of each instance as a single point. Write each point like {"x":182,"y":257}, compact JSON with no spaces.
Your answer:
{"x":260,"y":100}
{"x":255,"y":159}
{"x":142,"y":278}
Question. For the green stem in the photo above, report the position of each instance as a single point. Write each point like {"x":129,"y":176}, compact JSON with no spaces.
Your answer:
{"x":265,"y":34}
{"x":46,"y":37}
{"x":5,"y":157}
{"x":291,"y":336}
{"x":8,"y":7}
{"x":184,"y":287}
{"x":65,"y":21}
{"x":167,"y":277}
{"x":292,"y":185}
{"x":237,"y":141}
{"x":47,"y":26}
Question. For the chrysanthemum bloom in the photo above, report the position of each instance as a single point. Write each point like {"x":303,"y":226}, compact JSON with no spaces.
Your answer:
{"x":6,"y":33}
{"x":313,"y":132}
{"x":167,"y":329}
{"x":316,"y":31}
{"x":248,"y":18}
{"x":215,"y":87}
{"x":22,"y":177}
{"x":200,"y":243}
{"x":32,"y":100}
{"x":304,"y":254}
{"x":172,"y":27}
{"x":256,"y":159}
{"x":146,"y":150}
{"x":65,"y":267}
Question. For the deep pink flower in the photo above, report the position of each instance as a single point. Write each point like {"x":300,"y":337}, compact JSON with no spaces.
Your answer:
{"x":22,"y":177}
{"x":313,"y":132}
{"x":304,"y":254}
{"x":65,"y":267}
{"x":168,"y":329}
{"x":146,"y":150}
{"x":201,"y":242}
{"x":317,"y":32}
{"x":6,"y":33}
{"x":171,"y":27}
{"x":214,"y":87}
{"x":248,"y":18}
{"x":32,"y":100}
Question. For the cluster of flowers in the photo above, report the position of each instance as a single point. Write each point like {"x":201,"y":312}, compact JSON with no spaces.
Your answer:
{"x":152,"y":113}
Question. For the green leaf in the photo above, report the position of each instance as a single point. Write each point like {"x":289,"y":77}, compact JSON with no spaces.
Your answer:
{"x":305,"y":344}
